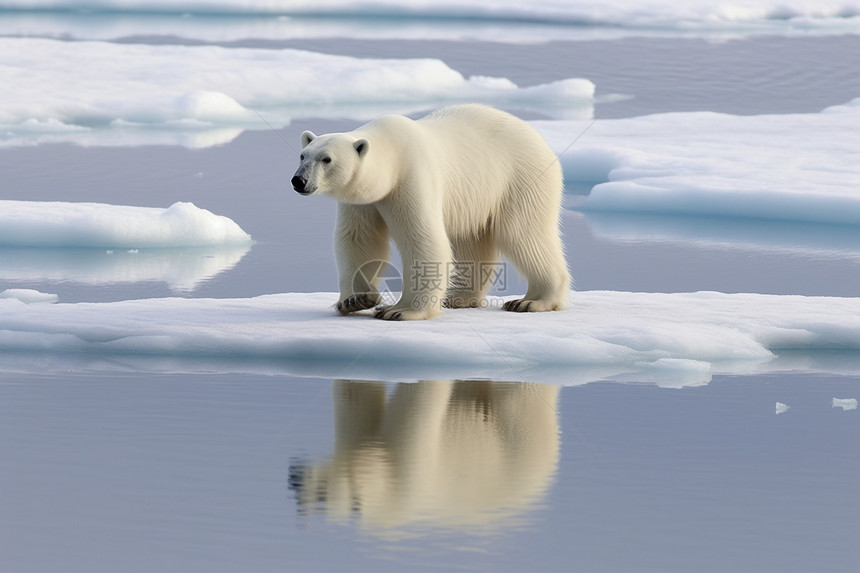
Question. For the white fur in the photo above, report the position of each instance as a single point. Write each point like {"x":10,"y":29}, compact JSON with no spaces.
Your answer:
{"x":466,"y":183}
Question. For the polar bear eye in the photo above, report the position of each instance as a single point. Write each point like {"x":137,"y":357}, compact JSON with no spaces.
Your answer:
{"x":326,"y":159}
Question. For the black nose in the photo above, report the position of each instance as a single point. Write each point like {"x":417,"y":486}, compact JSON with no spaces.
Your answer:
{"x":298,"y":184}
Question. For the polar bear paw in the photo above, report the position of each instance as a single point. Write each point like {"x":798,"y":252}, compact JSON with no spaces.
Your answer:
{"x":526,"y":305}
{"x":357,"y":302}
{"x":395,"y":313}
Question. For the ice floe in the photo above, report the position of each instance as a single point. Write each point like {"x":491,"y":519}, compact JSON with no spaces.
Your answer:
{"x":28,"y":296}
{"x":673,"y":340}
{"x":782,"y":408}
{"x":96,"y":93}
{"x":795,"y":167}
{"x":505,"y":20}
{"x":845,"y":403}
{"x":97,"y":225}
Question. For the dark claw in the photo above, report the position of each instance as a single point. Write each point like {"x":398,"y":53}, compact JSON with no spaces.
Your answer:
{"x":519,"y":305}
{"x":355,"y":303}
{"x":380,"y":313}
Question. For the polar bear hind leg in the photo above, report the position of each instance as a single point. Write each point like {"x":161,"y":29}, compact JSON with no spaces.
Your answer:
{"x":542,"y":264}
{"x":528,"y":236}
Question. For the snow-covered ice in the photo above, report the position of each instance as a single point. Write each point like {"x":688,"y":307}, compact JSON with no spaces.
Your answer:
{"x":845,"y":403}
{"x":670,"y":339}
{"x":28,"y":296}
{"x":782,"y":408}
{"x":96,"y":225}
{"x":796,"y":167}
{"x":93,"y":243}
{"x":505,"y":20}
{"x":101,"y":93}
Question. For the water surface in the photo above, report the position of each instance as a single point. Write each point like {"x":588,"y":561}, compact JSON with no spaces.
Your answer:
{"x":222,"y":473}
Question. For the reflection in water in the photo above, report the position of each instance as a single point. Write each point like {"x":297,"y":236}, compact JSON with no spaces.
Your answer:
{"x":466,"y":455}
{"x":182,"y":269}
{"x":193,"y":137}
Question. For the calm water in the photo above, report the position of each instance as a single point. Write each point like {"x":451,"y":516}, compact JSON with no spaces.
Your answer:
{"x":249,"y":473}
{"x":231,"y":472}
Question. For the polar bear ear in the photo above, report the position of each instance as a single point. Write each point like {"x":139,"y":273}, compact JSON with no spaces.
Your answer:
{"x":362,"y":146}
{"x":307,"y":137}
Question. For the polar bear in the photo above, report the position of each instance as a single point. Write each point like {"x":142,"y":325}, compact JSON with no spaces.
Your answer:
{"x":455,"y":455}
{"x":455,"y":190}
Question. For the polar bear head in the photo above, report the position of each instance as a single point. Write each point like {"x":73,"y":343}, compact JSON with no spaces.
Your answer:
{"x":329,"y":166}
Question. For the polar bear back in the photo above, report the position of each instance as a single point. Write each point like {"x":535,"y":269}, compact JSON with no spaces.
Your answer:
{"x":494,"y":159}
{"x":483,"y":162}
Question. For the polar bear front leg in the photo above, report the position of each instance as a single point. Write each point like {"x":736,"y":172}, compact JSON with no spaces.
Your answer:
{"x":361,"y":250}
{"x":426,"y":258}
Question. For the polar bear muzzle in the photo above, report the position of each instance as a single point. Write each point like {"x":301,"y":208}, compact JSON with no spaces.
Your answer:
{"x":299,"y":184}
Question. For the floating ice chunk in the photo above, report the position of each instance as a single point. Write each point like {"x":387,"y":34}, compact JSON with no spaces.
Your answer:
{"x":671,"y":338}
{"x":85,"y":90}
{"x":56,"y":224}
{"x":845,"y":403}
{"x":782,"y":408}
{"x":28,"y":296}
{"x":712,"y":164}
{"x":211,"y":106}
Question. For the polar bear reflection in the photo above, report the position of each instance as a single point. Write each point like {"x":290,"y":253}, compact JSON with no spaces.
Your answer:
{"x":456,"y":455}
